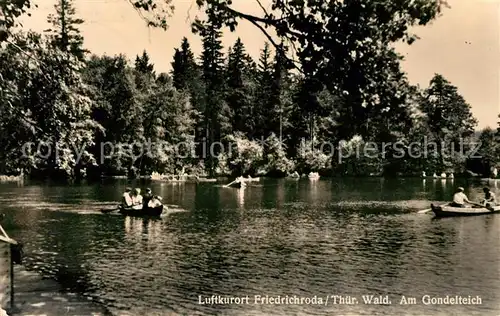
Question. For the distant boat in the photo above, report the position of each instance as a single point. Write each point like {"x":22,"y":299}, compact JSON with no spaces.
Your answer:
{"x":206,"y":180}
{"x":313,"y":176}
{"x":239,"y":182}
{"x":240,"y":185}
{"x":250,"y":179}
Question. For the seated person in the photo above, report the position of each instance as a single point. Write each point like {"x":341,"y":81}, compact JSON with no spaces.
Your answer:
{"x":155,"y":201}
{"x":147,"y":196}
{"x":127,"y":200}
{"x":460,"y":199}
{"x":137,"y":197}
{"x":489,"y":198}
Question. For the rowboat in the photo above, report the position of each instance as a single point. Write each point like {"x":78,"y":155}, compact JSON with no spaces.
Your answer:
{"x":169,"y":179}
{"x":313,"y":176}
{"x":144,"y":211}
{"x":449,"y":211}
{"x":206,"y":180}
{"x":239,"y":184}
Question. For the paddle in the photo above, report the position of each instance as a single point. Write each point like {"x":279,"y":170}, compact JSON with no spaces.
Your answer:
{"x":236,"y":180}
{"x":227,"y":185}
{"x":477,"y":204}
{"x":110,"y":210}
{"x":429,"y":209}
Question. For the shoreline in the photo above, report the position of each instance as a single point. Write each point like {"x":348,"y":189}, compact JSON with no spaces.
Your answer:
{"x":35,"y":295}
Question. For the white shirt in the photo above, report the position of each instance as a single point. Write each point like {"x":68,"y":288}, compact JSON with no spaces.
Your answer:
{"x":127,"y":199}
{"x":137,"y":199}
{"x":154,"y":203}
{"x":460,"y":198}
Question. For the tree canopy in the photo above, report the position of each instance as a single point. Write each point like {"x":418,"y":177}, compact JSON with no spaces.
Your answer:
{"x":223,"y":112}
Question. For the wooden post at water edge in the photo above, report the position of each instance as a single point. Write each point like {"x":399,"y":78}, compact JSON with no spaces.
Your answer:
{"x":6,"y":272}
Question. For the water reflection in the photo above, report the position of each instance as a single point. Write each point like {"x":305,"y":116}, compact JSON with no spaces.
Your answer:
{"x":297,"y":237}
{"x":240,"y":193}
{"x":142,"y":229}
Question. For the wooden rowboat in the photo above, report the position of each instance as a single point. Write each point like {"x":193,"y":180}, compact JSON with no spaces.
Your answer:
{"x":145,"y":211}
{"x":449,"y":211}
{"x":206,"y":180}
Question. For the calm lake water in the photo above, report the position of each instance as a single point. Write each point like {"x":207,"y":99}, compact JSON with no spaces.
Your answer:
{"x":278,"y":237}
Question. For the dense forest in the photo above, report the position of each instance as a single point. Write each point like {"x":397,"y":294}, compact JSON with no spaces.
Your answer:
{"x":343,"y":106}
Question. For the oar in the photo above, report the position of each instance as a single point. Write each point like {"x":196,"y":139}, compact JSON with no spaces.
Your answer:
{"x":227,"y":185}
{"x":429,"y":209}
{"x":110,"y":210}
{"x":477,"y":204}
{"x":424,"y":211}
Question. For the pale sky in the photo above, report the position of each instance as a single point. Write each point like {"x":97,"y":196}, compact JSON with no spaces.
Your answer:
{"x":463,"y":44}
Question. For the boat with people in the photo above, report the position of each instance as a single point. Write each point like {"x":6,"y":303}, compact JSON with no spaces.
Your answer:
{"x":313,"y":176}
{"x":134,"y":204}
{"x":450,"y":211}
{"x":239,"y":185}
{"x":142,"y":211}
{"x":462,"y":206}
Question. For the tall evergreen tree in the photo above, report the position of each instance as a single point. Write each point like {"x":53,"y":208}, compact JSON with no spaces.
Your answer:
{"x":240,"y":88}
{"x":264,"y":104}
{"x":281,"y":89}
{"x":65,"y":33}
{"x":184,"y":68}
{"x":143,"y":64}
{"x":217,"y":115}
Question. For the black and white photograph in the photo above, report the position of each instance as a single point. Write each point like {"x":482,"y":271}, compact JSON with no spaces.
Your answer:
{"x":249,"y":157}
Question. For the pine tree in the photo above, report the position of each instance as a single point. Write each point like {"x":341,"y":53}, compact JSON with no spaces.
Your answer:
{"x":240,"y":87}
{"x":216,"y":114}
{"x":65,"y":33}
{"x":264,"y":106}
{"x":143,"y":65}
{"x":278,"y":86}
{"x":184,"y":68}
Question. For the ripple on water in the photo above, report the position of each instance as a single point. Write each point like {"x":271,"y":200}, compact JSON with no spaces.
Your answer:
{"x":299,"y":247}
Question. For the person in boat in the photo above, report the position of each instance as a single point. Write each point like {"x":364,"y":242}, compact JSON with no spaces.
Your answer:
{"x":147,"y":196}
{"x":460,"y":199}
{"x":155,"y":201}
{"x":489,"y":198}
{"x":127,"y":199}
{"x":137,"y":198}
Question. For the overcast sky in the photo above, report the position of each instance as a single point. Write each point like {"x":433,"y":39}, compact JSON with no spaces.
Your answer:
{"x":463,"y":44}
